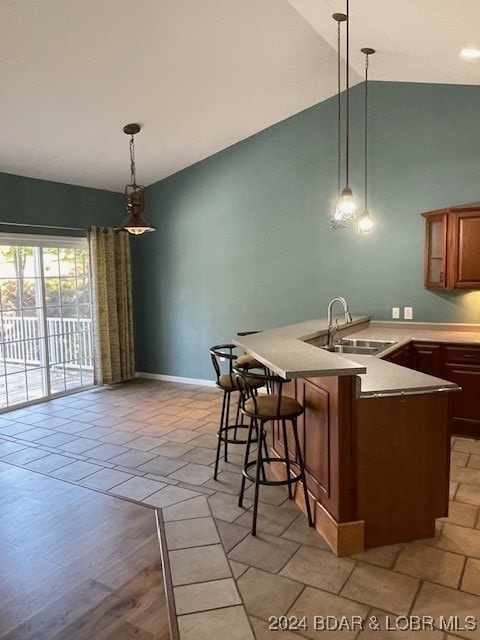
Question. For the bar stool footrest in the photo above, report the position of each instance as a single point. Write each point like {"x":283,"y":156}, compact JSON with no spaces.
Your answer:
{"x":223,"y":434}
{"x":273,"y":483}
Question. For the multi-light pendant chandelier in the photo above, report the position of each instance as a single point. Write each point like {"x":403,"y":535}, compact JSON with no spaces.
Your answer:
{"x":135,"y":223}
{"x":345,"y":207}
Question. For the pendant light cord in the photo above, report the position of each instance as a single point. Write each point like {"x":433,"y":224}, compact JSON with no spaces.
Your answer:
{"x":347,"y":106}
{"x":132,"y":161}
{"x":339,"y":108}
{"x":366,"y":129}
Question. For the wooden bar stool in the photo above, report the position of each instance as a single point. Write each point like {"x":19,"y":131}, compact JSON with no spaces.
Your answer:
{"x":223,"y":358}
{"x":261,"y":409}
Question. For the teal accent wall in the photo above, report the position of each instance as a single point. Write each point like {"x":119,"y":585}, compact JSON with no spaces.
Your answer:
{"x":31,"y":201}
{"x":243,"y":239}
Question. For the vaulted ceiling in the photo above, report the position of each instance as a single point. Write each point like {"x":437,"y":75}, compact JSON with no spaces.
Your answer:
{"x":198,"y":75}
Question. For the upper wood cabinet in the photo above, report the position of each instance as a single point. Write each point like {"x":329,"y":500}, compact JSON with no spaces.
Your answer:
{"x":452,"y":248}
{"x":436,"y":249}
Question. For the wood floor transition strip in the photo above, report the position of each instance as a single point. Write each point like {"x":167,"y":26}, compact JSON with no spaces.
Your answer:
{"x":167,"y":577}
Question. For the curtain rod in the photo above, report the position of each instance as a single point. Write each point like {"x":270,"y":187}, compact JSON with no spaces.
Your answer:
{"x":41,"y":226}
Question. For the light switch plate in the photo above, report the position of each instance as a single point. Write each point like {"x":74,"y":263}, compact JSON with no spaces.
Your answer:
{"x":408,"y":313}
{"x":396,"y":313}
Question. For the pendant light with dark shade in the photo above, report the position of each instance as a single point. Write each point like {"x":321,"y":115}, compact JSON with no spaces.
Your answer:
{"x":135,"y":223}
{"x":346,"y":208}
{"x":365,"y":222}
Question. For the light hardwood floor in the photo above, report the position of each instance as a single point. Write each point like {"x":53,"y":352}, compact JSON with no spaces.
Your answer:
{"x":76,"y":564}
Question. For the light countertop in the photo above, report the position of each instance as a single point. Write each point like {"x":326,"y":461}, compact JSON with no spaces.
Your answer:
{"x":285,"y":351}
{"x":404,"y":332}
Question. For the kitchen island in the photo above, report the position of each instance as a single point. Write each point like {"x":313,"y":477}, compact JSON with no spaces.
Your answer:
{"x":374,"y":436}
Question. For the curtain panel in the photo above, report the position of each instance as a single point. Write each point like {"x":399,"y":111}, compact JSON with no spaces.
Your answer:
{"x":111,"y":305}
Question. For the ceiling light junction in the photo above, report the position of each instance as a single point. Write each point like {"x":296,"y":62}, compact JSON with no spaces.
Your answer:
{"x":470,"y":53}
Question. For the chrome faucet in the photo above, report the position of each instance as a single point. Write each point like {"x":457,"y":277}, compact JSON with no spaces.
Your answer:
{"x":348,"y":318}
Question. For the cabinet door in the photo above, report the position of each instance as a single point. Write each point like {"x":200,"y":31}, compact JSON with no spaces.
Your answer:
{"x":436,"y":250}
{"x":427,"y":358}
{"x":325,"y":433}
{"x":462,"y":365}
{"x":464,"y":255}
{"x":465,"y":404}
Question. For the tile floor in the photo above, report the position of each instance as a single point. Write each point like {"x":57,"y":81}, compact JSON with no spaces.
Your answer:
{"x":154,"y":442}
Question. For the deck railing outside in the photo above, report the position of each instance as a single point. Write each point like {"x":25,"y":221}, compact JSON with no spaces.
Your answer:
{"x":69,"y":341}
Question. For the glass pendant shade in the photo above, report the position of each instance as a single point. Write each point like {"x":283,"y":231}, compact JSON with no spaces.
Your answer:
{"x":337,"y":214}
{"x":365,"y":223}
{"x":346,"y":208}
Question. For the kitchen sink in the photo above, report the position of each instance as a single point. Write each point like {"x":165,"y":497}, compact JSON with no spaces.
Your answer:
{"x":357,"y":345}
{"x":378,"y":345}
{"x":347,"y":348}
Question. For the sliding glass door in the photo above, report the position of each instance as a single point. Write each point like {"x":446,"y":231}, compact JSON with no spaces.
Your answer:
{"x":45,"y":318}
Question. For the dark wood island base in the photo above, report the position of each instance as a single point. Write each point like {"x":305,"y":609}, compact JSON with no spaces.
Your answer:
{"x":377,"y":466}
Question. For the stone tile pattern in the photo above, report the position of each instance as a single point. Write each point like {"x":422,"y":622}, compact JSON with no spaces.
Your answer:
{"x":161,"y":437}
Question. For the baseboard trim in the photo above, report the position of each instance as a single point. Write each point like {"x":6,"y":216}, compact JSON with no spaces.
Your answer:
{"x":179,"y":379}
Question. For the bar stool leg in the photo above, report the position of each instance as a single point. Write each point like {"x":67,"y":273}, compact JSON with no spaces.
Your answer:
{"x":257,"y":481}
{"x":238,"y":419}
{"x":265,"y":448}
{"x":247,"y":456}
{"x":262,"y":442}
{"x":302,"y":473}
{"x":227,"y":418}
{"x":220,"y":434}
{"x":287,"y":463}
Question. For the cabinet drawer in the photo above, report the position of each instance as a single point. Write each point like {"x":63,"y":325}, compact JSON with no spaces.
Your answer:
{"x":427,"y":358}
{"x":465,"y":355}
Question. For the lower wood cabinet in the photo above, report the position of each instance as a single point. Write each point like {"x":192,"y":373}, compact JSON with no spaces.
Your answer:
{"x":462,"y":365}
{"x":457,"y":363}
{"x":401,"y":356}
{"x":427,"y":358}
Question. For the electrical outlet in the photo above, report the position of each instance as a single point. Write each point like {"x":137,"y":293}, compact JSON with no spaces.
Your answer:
{"x":408,"y":313}
{"x":396,"y":313}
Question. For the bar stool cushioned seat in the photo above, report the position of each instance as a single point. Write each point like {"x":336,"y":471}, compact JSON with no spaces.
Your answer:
{"x":247,"y":361}
{"x":269,"y":405}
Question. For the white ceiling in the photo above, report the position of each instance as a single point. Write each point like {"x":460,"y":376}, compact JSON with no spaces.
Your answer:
{"x":199,"y":75}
